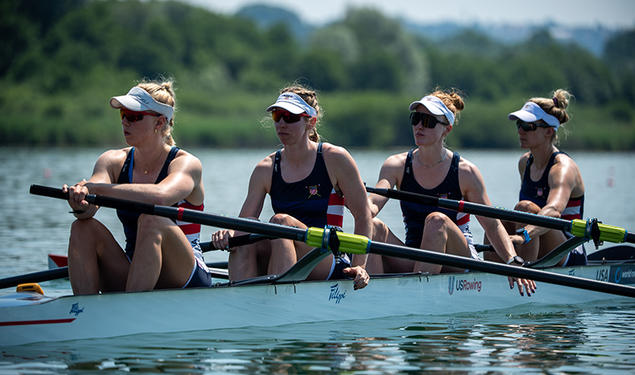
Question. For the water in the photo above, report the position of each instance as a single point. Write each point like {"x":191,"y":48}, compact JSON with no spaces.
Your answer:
{"x":569,"y":339}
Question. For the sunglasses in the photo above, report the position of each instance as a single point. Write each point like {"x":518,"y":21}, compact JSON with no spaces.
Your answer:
{"x":133,"y":116}
{"x":531,"y":126}
{"x":287,"y":116}
{"x":428,"y":121}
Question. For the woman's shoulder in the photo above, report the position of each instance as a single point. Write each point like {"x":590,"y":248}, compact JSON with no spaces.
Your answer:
{"x":396,"y":160}
{"x":564,"y":161}
{"x":266,"y":163}
{"x":563,"y":157}
{"x":181,"y":153}
{"x":466,"y":166}
{"x":114,"y":156}
{"x":331,"y":149}
{"x":334,"y":153}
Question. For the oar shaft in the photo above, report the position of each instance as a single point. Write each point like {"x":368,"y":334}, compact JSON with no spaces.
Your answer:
{"x":177,"y":213}
{"x":34,"y":277}
{"x":475,"y":209}
{"x":578,"y":228}
{"x":499,"y":269}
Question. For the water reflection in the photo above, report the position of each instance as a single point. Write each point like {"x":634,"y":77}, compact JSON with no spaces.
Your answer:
{"x":589,"y":340}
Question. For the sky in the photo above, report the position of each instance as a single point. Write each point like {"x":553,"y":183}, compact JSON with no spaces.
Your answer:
{"x":613,"y":14}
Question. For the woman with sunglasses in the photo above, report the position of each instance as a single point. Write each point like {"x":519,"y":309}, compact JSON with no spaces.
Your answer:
{"x":159,"y":252}
{"x":306,"y":180}
{"x":551,"y":181}
{"x":432,"y":169}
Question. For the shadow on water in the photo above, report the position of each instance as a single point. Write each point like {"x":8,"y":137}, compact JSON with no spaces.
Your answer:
{"x":567,"y":339}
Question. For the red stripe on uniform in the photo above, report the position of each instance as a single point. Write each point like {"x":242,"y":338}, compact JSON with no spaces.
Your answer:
{"x":190,"y":228}
{"x":336,"y":200}
{"x":463,"y":220}
{"x":336,"y":220}
{"x":574,"y":203}
{"x":30,"y":322}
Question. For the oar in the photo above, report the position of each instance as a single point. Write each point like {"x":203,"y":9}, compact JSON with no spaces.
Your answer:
{"x":345,"y":242}
{"x":62,"y":272}
{"x":579,"y":228}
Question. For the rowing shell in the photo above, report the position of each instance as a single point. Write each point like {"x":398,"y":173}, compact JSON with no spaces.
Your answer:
{"x":30,"y":317}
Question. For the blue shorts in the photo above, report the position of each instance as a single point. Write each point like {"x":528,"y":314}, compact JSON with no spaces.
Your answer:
{"x":199,"y":278}
{"x":338,"y":267}
{"x":576,"y":257}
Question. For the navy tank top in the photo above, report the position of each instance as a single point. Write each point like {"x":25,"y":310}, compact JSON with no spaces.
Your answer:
{"x":538,"y":191}
{"x":306,"y":200}
{"x":414,"y":214}
{"x":129,"y":218}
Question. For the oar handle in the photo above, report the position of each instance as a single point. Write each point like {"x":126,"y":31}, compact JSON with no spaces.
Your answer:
{"x":98,"y":200}
{"x":245,"y":239}
{"x":48,"y":191}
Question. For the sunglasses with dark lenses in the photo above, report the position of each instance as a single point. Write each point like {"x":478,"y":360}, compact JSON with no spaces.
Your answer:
{"x":530,"y":126}
{"x":287,"y":116}
{"x":428,"y":121}
{"x":133,"y":116}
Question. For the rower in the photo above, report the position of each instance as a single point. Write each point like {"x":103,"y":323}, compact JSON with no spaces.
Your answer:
{"x":159,"y":252}
{"x":432,"y":169}
{"x":307,"y":181}
{"x":551,"y":182}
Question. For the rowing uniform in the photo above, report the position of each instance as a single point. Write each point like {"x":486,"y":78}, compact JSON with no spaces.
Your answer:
{"x":414,"y":214}
{"x":312,"y":200}
{"x":538,"y":191}
{"x":200,"y":275}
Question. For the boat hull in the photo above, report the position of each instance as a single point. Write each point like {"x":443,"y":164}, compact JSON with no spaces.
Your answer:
{"x":28,"y":317}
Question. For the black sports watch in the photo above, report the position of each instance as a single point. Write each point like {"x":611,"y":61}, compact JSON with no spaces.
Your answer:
{"x":517,"y":260}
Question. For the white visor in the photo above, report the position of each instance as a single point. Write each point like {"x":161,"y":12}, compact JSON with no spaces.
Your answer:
{"x":531,"y":112}
{"x":435,"y":106}
{"x":139,"y":100}
{"x":293,"y":103}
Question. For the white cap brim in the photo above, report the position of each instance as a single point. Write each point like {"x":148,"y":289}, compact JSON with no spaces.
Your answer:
{"x":293,"y":103}
{"x":435,"y":106}
{"x":286,"y":106}
{"x":531,"y":112}
{"x":139,"y":100}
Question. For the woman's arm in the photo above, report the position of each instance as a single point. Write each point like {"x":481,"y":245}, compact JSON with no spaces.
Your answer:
{"x":345,"y":175}
{"x":259,"y":185}
{"x":473,"y":189}
{"x":389,"y":177}
{"x":181,"y":182}
{"x":103,"y":173}
{"x":563,"y":180}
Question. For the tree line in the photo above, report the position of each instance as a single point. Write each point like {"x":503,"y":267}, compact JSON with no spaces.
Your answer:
{"x":61,"y":61}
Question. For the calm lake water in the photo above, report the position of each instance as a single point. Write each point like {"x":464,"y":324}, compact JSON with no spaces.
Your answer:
{"x":571,"y":339}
